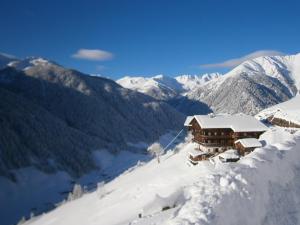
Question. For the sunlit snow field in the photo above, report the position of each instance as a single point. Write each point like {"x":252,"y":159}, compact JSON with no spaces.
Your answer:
{"x":262,"y":188}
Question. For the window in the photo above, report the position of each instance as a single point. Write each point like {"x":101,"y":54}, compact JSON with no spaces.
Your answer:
{"x":223,"y":133}
{"x":209,"y":134}
{"x":245,"y":134}
{"x":216,"y":150}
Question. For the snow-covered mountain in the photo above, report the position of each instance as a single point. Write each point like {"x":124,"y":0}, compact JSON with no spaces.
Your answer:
{"x":159,"y":87}
{"x":252,"y":86}
{"x":261,"y":188}
{"x":59,"y":125}
{"x":171,"y":90}
{"x":165,"y":87}
{"x":29,"y":62}
{"x":190,"y":82}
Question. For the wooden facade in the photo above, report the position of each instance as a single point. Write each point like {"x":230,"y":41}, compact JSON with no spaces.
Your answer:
{"x":218,"y":140}
{"x":242,"y":150}
{"x":281,"y":122}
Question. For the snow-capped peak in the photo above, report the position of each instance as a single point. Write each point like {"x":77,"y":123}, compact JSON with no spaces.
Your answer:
{"x":29,"y":62}
{"x":164,"y":87}
{"x":159,"y":86}
{"x":283,"y":68}
{"x":190,"y":82}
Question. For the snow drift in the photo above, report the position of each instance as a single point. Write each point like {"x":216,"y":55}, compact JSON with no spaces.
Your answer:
{"x":262,"y":188}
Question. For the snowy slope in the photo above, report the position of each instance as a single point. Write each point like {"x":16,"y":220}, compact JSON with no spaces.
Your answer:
{"x":261,"y":188}
{"x":30,"y":62}
{"x":52,"y":119}
{"x":172,"y":90}
{"x":164,"y":87}
{"x":289,"y":110}
{"x":252,"y":86}
{"x":160,"y":87}
{"x":190,"y":82}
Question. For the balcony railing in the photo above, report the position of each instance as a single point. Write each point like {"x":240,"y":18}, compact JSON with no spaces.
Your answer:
{"x":213,"y":144}
{"x":215,"y":136}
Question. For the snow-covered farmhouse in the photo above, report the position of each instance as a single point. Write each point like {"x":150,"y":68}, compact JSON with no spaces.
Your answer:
{"x":215,"y":134}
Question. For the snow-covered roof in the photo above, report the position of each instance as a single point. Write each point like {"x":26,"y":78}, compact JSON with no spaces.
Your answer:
{"x":195,"y":153}
{"x":230,"y":154}
{"x":250,"y":142}
{"x":188,"y":120}
{"x":289,"y":111}
{"x":237,"y":122}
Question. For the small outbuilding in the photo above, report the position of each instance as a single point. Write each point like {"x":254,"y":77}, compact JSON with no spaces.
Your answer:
{"x":230,"y":155}
{"x":247,"y":145}
{"x":196,"y":155}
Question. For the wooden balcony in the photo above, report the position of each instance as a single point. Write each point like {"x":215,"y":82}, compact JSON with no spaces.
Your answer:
{"x":217,"y":144}
{"x":215,"y":136}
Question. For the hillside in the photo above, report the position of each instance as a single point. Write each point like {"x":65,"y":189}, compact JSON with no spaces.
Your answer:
{"x":54,"y":120}
{"x":164,"y":87}
{"x":288,"y":111}
{"x":250,"y":87}
{"x":92,"y":108}
{"x":171,"y":90}
{"x":191,"y":82}
{"x":202,"y":194}
{"x":159,"y":87}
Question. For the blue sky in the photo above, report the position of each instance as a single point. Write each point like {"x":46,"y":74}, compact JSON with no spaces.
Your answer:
{"x":139,"y":37}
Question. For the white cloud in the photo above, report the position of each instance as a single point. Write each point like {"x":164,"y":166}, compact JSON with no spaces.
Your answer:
{"x":93,"y":54}
{"x":237,"y":61}
{"x":8,"y":55}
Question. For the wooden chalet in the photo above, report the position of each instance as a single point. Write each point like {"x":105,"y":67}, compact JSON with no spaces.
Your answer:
{"x":215,"y":134}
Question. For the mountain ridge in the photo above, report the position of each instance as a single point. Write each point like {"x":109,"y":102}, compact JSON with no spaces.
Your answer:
{"x":257,"y":83}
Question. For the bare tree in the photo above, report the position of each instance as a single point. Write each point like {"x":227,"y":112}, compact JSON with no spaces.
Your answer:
{"x":155,"y":150}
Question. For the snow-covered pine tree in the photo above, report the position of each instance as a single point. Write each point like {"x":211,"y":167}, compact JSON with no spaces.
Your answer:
{"x":155,"y":150}
{"x":76,"y":193}
{"x":100,"y":189}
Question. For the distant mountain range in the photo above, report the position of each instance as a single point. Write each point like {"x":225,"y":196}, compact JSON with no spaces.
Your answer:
{"x":250,"y":87}
{"x":163,"y":87}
